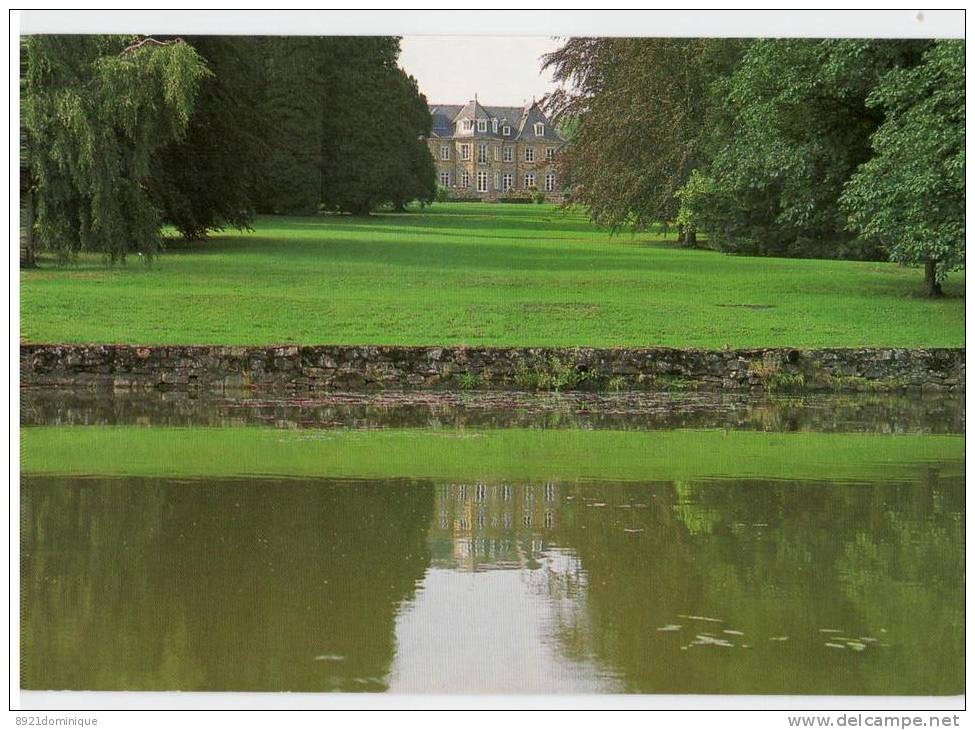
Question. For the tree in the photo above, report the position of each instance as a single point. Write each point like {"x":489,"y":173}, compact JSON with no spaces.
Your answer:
{"x":910,"y":196}
{"x":294,"y":99}
{"x":373,"y":123}
{"x":638,"y":109}
{"x":345,"y":127}
{"x":208,"y":179}
{"x":95,"y":109}
{"x":791,"y":124}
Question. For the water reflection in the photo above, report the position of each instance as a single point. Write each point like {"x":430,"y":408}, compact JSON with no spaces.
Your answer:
{"x":701,"y":586}
{"x":156,"y":584}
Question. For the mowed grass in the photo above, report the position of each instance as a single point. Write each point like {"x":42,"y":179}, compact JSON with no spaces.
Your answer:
{"x":479,"y":274}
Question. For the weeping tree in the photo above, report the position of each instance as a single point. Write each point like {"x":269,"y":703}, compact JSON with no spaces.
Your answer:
{"x":638,"y":110}
{"x":95,"y":109}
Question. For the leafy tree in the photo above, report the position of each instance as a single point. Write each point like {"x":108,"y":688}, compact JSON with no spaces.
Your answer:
{"x":345,"y":127}
{"x":910,"y":196}
{"x":294,"y":102}
{"x":95,"y":109}
{"x":208,"y":179}
{"x":791,"y":125}
{"x":638,"y":109}
{"x":374,"y":118}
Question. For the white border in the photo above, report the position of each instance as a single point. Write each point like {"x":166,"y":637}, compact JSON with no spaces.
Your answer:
{"x":905,"y":23}
{"x":901,"y":23}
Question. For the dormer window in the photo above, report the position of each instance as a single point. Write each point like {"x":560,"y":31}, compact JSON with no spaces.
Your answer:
{"x":506,"y":130}
{"x":467,"y":125}
{"x":494,"y":126}
{"x":539,"y":129}
{"x":482,"y":125}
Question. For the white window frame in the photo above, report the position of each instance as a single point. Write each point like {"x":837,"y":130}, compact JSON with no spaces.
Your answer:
{"x":507,"y":181}
{"x":497,"y":153}
{"x":482,"y":125}
{"x":445,"y":152}
{"x":506,"y":131}
{"x":529,"y":154}
{"x":549,"y":153}
{"x":465,"y":151}
{"x":445,"y":179}
{"x":509,"y":153}
{"x":539,"y":129}
{"x":482,"y":181}
{"x":494,"y":126}
{"x":465,"y":179}
{"x":529,"y":180}
{"x":482,"y":154}
{"x":550,"y":182}
{"x":497,"y":180}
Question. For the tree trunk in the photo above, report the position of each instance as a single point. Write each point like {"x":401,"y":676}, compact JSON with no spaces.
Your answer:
{"x":690,"y":237}
{"x":931,"y":283}
{"x":29,"y":261}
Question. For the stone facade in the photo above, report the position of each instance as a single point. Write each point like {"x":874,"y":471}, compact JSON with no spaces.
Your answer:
{"x":295,"y":369}
{"x":494,"y":153}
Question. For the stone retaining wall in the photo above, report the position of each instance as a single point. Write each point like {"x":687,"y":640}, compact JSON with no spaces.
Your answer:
{"x":295,"y":369}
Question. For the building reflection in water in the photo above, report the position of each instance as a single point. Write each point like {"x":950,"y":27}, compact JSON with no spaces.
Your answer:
{"x":501,"y":525}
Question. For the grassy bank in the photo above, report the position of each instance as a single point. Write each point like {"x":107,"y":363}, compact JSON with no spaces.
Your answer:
{"x":465,"y":454}
{"x":479,"y":274}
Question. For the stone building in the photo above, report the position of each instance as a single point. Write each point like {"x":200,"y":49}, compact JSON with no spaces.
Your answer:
{"x":493,"y":152}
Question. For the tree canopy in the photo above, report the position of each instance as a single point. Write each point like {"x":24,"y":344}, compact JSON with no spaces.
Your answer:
{"x":910,"y":195}
{"x":638,"y":109}
{"x":839,"y":148}
{"x":95,"y":109}
{"x":207,"y":179}
{"x":125,"y":133}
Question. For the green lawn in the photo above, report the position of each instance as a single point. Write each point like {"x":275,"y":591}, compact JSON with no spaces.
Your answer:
{"x":509,"y":453}
{"x":479,"y":274}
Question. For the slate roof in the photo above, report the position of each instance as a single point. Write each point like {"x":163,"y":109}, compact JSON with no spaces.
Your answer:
{"x":446,"y":119}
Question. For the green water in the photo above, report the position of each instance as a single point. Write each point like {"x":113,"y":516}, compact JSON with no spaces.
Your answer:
{"x":365,"y":547}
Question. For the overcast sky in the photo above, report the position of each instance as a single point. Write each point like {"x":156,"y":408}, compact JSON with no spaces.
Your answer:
{"x":503,"y":71}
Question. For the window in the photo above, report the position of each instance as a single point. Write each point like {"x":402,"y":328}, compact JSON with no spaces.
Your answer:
{"x":506,"y":130}
{"x":465,"y":152}
{"x":465,"y":179}
{"x":529,"y":180}
{"x":444,"y":179}
{"x":467,"y":125}
{"x":482,"y":153}
{"x":444,"y":152}
{"x":549,"y":153}
{"x":529,"y":154}
{"x":508,"y":156}
{"x":482,"y":125}
{"x":497,"y":153}
{"x":482,"y":182}
{"x":550,"y":183}
{"x":497,"y":181}
{"x":494,"y":126}
{"x":539,"y":129}
{"x":507,"y":180}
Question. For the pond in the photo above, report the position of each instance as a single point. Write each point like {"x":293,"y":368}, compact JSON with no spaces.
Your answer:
{"x":493,"y":543}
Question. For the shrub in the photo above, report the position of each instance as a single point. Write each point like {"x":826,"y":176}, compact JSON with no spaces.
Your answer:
{"x":469,"y":380}
{"x":553,"y":374}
